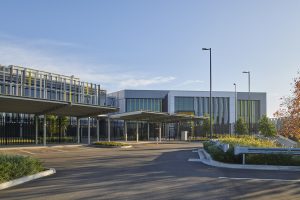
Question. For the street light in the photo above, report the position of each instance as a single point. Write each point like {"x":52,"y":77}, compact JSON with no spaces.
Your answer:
{"x":248,"y":72}
{"x":235,"y":107}
{"x":210,"y":86}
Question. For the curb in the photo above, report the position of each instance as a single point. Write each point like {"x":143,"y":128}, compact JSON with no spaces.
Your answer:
{"x":25,"y":179}
{"x":111,"y":147}
{"x":126,"y":147}
{"x":206,"y":159}
{"x":40,"y":147}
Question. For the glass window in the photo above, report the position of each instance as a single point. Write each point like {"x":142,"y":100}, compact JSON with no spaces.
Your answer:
{"x":184,"y":104}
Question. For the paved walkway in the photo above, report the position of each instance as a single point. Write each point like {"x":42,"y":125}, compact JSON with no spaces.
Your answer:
{"x":147,"y":171}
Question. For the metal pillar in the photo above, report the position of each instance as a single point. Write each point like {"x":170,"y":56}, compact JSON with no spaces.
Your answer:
{"x":89,"y":130}
{"x":137,"y":132}
{"x":178,"y":130}
{"x":125,"y":130}
{"x":108,"y":129}
{"x":98,"y":131}
{"x":44,"y":130}
{"x":148,"y":132}
{"x":159,"y":134}
{"x":78,"y":130}
{"x":36,"y":129}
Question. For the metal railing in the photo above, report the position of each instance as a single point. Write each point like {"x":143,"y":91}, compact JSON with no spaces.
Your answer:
{"x":26,"y":82}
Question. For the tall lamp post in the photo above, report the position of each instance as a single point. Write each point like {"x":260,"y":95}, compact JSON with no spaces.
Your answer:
{"x":235,"y":106}
{"x":248,"y":72}
{"x":210,"y":87}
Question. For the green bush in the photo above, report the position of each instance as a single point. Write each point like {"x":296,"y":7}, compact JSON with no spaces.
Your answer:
{"x":266,"y":127}
{"x":248,"y":141}
{"x":241,"y":127}
{"x":110,"y":144}
{"x":15,"y":166}
{"x":267,"y":159}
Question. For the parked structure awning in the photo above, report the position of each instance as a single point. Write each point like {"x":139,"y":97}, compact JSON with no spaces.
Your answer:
{"x":16,"y":104}
{"x":155,"y":117}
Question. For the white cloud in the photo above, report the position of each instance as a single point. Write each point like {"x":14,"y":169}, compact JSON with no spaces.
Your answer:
{"x":190,"y":82}
{"x":133,"y":82}
{"x":16,"y":52}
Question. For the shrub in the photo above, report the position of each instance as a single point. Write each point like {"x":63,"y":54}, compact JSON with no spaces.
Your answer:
{"x":229,"y":157}
{"x":15,"y":166}
{"x":266,"y":127}
{"x":110,"y":144}
{"x":241,"y":127}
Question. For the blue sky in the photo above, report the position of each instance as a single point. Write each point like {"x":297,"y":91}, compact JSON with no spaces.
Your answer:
{"x":152,"y":44}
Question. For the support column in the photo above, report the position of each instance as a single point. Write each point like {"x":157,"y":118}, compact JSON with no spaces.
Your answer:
{"x":36,"y":129}
{"x":178,"y":130}
{"x":125,"y":130}
{"x":159,"y":134}
{"x":78,"y":130}
{"x":44,"y":130}
{"x":89,"y":130}
{"x":108,"y":129}
{"x":148,"y":131}
{"x":98,"y":131}
{"x":137,"y":132}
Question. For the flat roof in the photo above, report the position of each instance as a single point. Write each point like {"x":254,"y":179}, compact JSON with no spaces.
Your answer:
{"x":154,"y":117}
{"x":16,"y":104}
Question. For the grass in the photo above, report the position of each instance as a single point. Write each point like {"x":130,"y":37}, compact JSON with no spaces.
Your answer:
{"x":16,"y":166}
{"x":110,"y":144}
{"x":246,"y":140}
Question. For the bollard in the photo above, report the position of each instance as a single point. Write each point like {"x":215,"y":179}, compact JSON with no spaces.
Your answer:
{"x":156,"y":140}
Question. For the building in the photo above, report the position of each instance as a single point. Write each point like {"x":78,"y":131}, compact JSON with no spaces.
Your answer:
{"x":38,"y":107}
{"x":227,"y":107}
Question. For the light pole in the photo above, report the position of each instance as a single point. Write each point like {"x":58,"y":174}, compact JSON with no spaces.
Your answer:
{"x":210,"y":87}
{"x":235,"y":106}
{"x":248,"y":72}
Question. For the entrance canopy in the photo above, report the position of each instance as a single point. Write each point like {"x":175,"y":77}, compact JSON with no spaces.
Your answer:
{"x":155,"y":117}
{"x":16,"y":104}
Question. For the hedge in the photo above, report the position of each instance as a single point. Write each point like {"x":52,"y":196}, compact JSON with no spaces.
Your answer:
{"x":266,"y":159}
{"x":16,"y":166}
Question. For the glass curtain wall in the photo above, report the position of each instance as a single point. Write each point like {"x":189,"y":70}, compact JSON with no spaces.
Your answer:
{"x":145,"y":104}
{"x":242,"y":110}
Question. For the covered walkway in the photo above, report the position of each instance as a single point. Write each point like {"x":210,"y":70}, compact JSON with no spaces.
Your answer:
{"x":43,"y":107}
{"x":148,"y":117}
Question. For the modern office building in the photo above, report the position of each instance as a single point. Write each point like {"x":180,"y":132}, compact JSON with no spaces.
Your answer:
{"x":38,"y":107}
{"x":227,"y":107}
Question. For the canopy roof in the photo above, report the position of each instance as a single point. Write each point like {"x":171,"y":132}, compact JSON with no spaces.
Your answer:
{"x":154,"y":117}
{"x":16,"y":104}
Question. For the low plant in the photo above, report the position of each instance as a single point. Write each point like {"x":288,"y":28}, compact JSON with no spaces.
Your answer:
{"x":250,"y":141}
{"x":110,"y":144}
{"x":16,"y":166}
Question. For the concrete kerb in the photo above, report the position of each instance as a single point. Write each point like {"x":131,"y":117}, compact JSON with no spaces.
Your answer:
{"x":27,"y":178}
{"x":41,"y":147}
{"x":205,"y":158}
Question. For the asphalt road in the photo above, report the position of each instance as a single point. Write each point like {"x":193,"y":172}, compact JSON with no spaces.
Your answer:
{"x":147,"y":171}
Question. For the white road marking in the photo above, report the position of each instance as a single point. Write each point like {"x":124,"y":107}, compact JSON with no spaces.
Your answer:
{"x":58,"y":150}
{"x":194,"y":160}
{"x":260,"y":179}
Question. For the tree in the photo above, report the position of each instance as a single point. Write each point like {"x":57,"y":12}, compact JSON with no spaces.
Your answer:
{"x":266,"y":127}
{"x":289,"y":112}
{"x":241,"y":127}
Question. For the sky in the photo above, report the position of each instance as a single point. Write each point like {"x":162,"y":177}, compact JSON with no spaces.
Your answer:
{"x":157,"y":44}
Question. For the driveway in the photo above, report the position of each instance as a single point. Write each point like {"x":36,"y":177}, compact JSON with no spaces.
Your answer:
{"x":147,"y":171}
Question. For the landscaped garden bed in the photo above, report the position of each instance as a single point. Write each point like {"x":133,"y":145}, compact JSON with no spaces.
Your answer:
{"x":249,"y":141}
{"x":15,"y":166}
{"x":110,"y":144}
